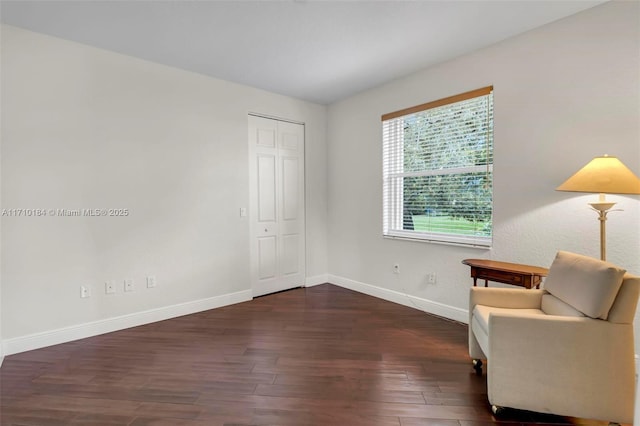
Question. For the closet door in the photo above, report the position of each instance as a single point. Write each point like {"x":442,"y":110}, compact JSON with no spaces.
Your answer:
{"x":276,"y":213}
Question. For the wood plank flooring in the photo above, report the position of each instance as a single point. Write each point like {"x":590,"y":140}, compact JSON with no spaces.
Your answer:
{"x":318,"y":356}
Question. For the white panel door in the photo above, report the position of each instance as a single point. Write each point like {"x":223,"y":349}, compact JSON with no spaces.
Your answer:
{"x":276,"y":210}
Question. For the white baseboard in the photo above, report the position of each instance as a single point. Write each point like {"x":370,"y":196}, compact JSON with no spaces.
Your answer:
{"x":81,"y":331}
{"x":316,"y":280}
{"x":435,"y":308}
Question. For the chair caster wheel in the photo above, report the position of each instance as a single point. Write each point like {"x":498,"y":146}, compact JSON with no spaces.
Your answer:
{"x":477,"y":365}
{"x":497,"y":410}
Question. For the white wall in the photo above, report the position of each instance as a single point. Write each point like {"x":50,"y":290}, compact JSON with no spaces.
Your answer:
{"x":87,"y":128}
{"x":563,"y":94}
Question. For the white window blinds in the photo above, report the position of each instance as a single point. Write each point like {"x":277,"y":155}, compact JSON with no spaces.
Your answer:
{"x":438,"y":170}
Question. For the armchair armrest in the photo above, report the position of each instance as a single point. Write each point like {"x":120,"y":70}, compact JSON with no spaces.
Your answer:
{"x":499,"y":298}
{"x":542,"y":363}
{"x":505,"y":298}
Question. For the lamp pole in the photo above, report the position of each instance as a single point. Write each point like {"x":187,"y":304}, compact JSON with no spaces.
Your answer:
{"x":602,"y":207}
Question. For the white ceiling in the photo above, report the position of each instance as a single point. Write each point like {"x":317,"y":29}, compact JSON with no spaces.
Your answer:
{"x":321,"y":51}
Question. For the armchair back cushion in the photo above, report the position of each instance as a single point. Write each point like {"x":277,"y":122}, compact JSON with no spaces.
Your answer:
{"x":588,"y":285}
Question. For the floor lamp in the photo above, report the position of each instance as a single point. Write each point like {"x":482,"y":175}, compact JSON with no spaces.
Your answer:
{"x":603,"y":175}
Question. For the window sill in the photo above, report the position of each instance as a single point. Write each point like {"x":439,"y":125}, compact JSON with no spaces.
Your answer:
{"x":475,"y":245}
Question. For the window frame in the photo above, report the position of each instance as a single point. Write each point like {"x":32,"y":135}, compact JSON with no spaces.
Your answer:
{"x":393,"y":203}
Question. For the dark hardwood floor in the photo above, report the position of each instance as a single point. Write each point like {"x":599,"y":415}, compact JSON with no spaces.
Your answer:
{"x":317,"y":356}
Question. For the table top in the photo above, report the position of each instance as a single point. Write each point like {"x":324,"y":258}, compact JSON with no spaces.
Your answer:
{"x":506,"y":266}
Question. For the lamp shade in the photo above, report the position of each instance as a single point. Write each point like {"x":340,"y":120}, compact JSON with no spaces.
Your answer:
{"x":606,"y":175}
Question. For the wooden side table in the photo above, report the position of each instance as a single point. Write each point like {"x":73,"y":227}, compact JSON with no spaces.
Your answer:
{"x":526,"y":276}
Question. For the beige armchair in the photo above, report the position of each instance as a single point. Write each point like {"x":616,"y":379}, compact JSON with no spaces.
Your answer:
{"x":567,"y":349}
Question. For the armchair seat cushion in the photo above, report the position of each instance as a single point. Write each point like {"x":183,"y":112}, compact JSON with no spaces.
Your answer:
{"x":551,"y":305}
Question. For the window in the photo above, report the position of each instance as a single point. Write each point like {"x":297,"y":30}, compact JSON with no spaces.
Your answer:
{"x":438,"y":170}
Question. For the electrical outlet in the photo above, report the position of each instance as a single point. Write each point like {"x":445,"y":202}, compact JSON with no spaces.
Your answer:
{"x":431,"y":277}
{"x":85,"y":291}
{"x":109,"y":287}
{"x":151,"y":281}
{"x":128,"y":284}
{"x":396,"y":268}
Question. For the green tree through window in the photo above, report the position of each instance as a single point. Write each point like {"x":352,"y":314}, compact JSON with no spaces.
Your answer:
{"x":438,"y":170}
